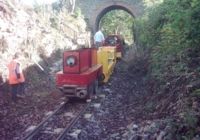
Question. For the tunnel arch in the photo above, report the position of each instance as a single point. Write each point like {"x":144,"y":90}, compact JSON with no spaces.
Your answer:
{"x":93,"y":10}
{"x":107,"y":7}
{"x":105,"y":11}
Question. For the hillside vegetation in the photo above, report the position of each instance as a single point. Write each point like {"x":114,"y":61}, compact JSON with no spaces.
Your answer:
{"x":170,"y":33}
{"x":38,"y":33}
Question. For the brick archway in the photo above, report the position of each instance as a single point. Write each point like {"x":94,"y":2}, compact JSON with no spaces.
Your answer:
{"x":95,"y":20}
{"x":94,"y":10}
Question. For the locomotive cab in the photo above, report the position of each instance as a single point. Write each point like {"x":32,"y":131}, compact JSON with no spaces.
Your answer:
{"x":115,"y":41}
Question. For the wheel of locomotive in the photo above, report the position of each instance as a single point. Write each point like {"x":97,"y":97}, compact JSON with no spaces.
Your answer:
{"x":101,"y":77}
{"x":96,"y":87}
{"x":90,"y":91}
{"x":93,"y":89}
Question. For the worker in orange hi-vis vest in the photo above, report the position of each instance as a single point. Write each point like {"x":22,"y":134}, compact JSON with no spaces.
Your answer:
{"x":16,"y":77}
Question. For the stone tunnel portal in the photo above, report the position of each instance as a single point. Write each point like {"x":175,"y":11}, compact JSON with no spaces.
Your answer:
{"x":94,"y":10}
{"x":106,"y":10}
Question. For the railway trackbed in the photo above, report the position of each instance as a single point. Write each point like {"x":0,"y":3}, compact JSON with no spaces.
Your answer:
{"x":59,"y":122}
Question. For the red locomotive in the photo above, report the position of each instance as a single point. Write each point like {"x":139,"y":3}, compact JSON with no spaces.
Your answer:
{"x":115,"y":41}
{"x":80,"y":74}
{"x":83,"y":69}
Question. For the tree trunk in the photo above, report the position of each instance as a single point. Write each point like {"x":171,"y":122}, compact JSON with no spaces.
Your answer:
{"x":72,"y":3}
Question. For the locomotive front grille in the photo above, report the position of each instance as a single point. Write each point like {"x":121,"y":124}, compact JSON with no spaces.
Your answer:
{"x":74,"y":91}
{"x":69,"y":89}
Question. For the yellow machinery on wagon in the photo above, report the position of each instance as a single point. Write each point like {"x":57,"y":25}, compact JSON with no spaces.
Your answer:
{"x":107,"y":57}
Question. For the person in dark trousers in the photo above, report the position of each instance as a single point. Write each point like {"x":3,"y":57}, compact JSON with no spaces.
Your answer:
{"x":16,"y":77}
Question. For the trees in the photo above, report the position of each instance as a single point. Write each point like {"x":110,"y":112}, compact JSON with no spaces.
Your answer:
{"x":168,"y":29}
{"x":118,"y":22}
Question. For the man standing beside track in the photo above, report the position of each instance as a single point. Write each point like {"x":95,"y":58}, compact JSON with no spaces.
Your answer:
{"x":98,"y":39}
{"x":16,"y":77}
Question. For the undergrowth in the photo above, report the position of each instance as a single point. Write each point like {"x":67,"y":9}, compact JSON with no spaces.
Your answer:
{"x":171,"y":32}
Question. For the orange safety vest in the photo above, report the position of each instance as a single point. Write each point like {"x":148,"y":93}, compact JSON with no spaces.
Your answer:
{"x":12,"y":73}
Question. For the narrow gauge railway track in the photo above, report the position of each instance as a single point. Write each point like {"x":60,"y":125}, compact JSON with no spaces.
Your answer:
{"x":40,"y":126}
{"x":52,"y":121}
{"x":62,"y":135}
{"x":89,"y":110}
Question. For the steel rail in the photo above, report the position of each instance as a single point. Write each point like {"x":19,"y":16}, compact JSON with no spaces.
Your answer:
{"x":66,"y":130}
{"x":37,"y":129}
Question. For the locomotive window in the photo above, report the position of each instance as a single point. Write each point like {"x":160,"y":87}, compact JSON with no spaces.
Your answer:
{"x":71,"y":61}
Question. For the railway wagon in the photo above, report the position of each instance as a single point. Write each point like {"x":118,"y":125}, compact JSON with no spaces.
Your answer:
{"x":83,"y":69}
{"x":115,"y":41}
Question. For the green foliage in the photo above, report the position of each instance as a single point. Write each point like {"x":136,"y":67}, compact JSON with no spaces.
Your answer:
{"x":190,"y":121}
{"x":78,"y":13}
{"x":168,"y":29}
{"x":196,"y":93}
{"x":171,"y":30}
{"x":118,"y":22}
